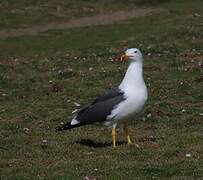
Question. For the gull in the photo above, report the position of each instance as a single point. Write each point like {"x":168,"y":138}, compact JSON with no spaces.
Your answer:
{"x":118,"y":105}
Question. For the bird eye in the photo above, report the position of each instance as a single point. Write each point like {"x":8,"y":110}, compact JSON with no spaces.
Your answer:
{"x":135,"y":51}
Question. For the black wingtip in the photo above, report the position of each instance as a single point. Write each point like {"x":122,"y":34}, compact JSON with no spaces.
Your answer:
{"x":68,"y":126}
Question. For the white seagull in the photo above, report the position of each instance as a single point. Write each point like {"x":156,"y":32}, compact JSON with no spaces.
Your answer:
{"x":118,"y":104}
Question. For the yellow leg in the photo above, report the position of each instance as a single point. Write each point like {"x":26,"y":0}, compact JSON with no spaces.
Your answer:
{"x":114,"y":136}
{"x":127,"y":134}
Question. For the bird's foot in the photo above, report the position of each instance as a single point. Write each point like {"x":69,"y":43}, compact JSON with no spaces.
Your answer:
{"x":132,"y":143}
{"x":129,"y":140}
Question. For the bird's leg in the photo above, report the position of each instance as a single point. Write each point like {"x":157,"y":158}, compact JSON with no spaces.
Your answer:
{"x":127,"y":134}
{"x":114,"y":136}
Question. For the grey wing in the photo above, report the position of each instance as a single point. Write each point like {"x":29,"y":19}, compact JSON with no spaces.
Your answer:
{"x":115,"y":92}
{"x":101,"y":107}
{"x":108,"y":95}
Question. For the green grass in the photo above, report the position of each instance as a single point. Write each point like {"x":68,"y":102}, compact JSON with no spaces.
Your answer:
{"x":42,"y":76}
{"x":23,"y":13}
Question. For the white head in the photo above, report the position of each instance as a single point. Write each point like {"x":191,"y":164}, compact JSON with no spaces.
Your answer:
{"x":133,"y":54}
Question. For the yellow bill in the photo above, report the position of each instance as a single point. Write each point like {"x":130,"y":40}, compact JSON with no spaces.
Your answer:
{"x":124,"y":57}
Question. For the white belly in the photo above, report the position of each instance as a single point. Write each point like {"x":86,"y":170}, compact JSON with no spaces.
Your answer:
{"x":132,"y":105}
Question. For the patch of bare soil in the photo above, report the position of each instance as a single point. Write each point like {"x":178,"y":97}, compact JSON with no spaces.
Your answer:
{"x":100,"y":19}
{"x":192,"y":60}
{"x":9,"y":62}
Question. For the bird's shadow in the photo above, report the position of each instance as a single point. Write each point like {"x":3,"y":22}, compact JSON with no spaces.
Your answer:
{"x":93,"y":144}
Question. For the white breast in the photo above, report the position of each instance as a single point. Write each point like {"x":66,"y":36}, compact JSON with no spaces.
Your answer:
{"x":135,"y":92}
{"x":135,"y":100}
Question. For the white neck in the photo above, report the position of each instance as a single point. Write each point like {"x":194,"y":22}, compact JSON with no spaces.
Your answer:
{"x":133,"y":76}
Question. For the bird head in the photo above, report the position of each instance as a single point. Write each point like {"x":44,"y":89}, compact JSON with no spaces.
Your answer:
{"x":132,"y":54}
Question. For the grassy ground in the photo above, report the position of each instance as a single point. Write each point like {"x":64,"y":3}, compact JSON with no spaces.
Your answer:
{"x":42,"y":76}
{"x":23,"y":13}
